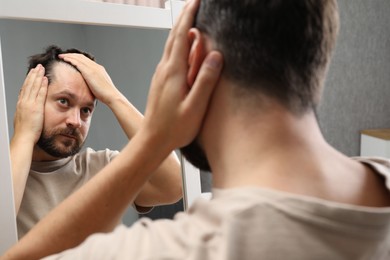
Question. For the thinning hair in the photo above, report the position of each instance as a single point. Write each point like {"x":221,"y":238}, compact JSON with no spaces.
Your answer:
{"x":50,"y":57}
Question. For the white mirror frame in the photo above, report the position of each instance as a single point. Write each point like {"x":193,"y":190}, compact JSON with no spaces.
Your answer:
{"x":8,"y":234}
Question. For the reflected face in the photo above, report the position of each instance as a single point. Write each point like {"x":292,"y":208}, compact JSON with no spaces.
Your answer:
{"x":196,"y":156}
{"x":68,"y":112}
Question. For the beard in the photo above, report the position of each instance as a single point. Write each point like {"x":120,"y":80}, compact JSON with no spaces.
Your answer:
{"x":61,"y":149}
{"x":195,"y":154}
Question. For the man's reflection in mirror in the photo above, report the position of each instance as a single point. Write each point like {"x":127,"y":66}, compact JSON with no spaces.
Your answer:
{"x":53,"y":115}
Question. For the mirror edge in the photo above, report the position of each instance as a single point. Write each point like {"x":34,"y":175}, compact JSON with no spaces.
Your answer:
{"x":8,"y":234}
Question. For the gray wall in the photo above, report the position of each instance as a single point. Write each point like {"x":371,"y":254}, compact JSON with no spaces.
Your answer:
{"x":129,"y":55}
{"x":357,"y":90}
{"x":21,"y":39}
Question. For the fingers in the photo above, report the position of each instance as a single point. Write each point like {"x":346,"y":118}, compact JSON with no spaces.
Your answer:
{"x":95,"y":75}
{"x":32,"y":83}
{"x":78,"y":60}
{"x":41,"y":98}
{"x":29,"y":114}
{"x":181,"y":45}
{"x":88,"y":68}
{"x":178,"y":34}
{"x":205,"y":82}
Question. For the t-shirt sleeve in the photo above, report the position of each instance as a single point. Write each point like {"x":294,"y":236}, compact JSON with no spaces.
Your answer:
{"x":112,"y":154}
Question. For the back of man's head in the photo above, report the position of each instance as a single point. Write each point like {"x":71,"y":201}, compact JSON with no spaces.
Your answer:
{"x":280,"y":48}
{"x":50,"y":57}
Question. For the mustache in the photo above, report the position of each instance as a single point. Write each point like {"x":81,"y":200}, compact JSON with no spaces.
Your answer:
{"x":68,"y":131}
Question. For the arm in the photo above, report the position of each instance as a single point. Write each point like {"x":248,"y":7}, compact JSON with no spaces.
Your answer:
{"x":165,"y":185}
{"x":170,"y":122}
{"x":28,"y":124}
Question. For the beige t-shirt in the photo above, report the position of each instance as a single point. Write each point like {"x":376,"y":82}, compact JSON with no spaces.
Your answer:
{"x":49,"y":183}
{"x":252,"y":223}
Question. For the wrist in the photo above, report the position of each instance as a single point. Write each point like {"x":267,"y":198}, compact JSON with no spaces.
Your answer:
{"x":24,"y":139}
{"x":156,"y":140}
{"x":113,"y":99}
{"x":127,"y":115}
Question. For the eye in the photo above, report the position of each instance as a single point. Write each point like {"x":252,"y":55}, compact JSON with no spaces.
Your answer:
{"x":63,"y":101}
{"x":86,"y":111}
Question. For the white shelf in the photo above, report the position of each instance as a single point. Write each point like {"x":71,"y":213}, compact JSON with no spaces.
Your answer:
{"x":86,"y":12}
{"x":375,"y":142}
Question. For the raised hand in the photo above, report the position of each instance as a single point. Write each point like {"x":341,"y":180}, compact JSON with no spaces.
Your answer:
{"x":175,"y":108}
{"x":29,"y":116}
{"x":95,"y":75}
{"x":28,"y":125}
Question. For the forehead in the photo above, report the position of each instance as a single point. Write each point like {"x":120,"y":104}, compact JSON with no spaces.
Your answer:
{"x":66,"y":79}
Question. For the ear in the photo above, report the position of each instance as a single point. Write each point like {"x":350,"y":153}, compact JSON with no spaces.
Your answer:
{"x":196,"y":55}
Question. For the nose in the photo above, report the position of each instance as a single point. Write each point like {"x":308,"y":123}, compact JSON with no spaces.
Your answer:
{"x":73,"y":118}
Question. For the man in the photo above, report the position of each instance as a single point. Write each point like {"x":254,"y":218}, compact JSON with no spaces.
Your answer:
{"x":280,"y":191}
{"x":51,"y":126}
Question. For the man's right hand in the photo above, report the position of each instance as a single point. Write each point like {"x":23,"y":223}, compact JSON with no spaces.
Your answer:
{"x":96,"y":76}
{"x":28,"y":125}
{"x":29,"y":115}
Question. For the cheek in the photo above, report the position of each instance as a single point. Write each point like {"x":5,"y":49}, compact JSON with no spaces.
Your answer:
{"x":50,"y":121}
{"x":84,"y":129}
{"x":53,"y":117}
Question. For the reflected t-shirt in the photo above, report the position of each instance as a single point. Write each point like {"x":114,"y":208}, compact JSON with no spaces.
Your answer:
{"x":49,"y":183}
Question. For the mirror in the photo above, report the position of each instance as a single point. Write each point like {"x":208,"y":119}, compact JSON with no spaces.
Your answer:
{"x":148,"y":3}
{"x":7,"y":214}
{"x":129,"y":55}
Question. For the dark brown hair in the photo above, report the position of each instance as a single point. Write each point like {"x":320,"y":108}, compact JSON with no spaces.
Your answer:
{"x":50,"y":57}
{"x":278,"y":47}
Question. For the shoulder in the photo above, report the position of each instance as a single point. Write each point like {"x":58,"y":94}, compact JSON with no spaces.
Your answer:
{"x":380,"y":165}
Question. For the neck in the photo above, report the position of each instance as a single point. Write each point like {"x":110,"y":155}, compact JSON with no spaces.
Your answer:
{"x":40,"y":155}
{"x":262,"y":147}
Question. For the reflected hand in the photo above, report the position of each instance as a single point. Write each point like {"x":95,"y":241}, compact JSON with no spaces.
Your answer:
{"x":29,"y":115}
{"x":175,"y":109}
{"x":95,"y":75}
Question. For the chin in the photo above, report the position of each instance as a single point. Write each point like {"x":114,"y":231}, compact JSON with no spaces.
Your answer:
{"x":195,"y":154}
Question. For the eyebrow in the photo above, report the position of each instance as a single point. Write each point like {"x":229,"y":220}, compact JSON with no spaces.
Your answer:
{"x":74,"y":97}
